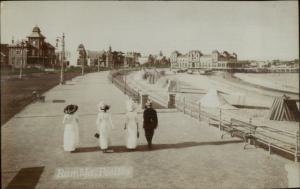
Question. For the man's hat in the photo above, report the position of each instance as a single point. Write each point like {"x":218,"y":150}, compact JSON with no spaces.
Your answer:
{"x":70,"y":109}
{"x":149,"y":103}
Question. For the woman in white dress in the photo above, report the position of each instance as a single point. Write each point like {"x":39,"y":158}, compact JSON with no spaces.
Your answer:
{"x":131,"y":126}
{"x":71,"y":133}
{"x":104,"y":126}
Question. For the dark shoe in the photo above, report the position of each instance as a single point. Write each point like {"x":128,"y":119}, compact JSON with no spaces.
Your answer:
{"x":104,"y":151}
{"x":108,"y":151}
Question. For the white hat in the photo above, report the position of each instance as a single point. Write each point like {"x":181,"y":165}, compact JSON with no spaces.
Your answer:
{"x":101,"y":105}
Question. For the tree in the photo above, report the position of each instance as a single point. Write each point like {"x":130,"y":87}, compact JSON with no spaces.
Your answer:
{"x":151,"y":59}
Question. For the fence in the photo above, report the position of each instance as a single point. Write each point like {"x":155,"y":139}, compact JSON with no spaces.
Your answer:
{"x":116,"y":77}
{"x":275,"y":140}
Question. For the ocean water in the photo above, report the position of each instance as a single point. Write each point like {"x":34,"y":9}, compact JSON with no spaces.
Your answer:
{"x":283,"y":81}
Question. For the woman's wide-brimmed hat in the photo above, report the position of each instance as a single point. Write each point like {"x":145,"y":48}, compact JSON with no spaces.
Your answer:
{"x":71,"y":109}
{"x":130,"y":106}
{"x":149,"y":103}
{"x":103,"y":106}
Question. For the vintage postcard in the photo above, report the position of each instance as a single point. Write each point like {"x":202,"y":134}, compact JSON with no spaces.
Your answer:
{"x":150,"y":94}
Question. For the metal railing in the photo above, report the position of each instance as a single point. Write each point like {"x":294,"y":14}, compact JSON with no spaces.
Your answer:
{"x":272,"y":138}
{"x":116,"y":77}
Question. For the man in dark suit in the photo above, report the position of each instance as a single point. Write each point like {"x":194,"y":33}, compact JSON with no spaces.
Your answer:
{"x":150,"y":122}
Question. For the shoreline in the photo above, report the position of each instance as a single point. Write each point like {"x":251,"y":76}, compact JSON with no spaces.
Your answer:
{"x":266,"y":84}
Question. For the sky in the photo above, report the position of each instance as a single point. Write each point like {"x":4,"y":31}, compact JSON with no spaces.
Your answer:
{"x":254,"y":30}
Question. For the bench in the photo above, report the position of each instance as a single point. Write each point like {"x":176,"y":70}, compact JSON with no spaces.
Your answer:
{"x":37,"y":97}
{"x":243,"y":129}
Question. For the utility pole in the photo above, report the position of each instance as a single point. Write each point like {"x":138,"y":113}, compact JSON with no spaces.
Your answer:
{"x":83,"y":62}
{"x":62,"y":60}
{"x":23,"y":45}
{"x":21,"y":66}
{"x":98,"y":64}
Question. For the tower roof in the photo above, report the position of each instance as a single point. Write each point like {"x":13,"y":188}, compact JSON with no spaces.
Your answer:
{"x":36,"y":33}
{"x":81,"y":46}
{"x":36,"y":29}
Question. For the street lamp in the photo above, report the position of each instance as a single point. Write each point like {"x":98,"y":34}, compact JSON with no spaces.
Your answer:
{"x":82,"y":66}
{"x":124,"y":72}
{"x":98,"y":64}
{"x":62,"y":57}
{"x":22,"y":58}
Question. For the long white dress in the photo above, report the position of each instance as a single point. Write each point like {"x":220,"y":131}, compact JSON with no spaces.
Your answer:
{"x":104,"y":126}
{"x":71,"y":132}
{"x":131,"y":129}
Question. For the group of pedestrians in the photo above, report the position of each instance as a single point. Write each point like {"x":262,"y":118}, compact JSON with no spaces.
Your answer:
{"x":105,"y":125}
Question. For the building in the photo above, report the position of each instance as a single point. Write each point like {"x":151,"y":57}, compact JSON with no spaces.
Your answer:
{"x":131,"y":59}
{"x":4,"y":51}
{"x":82,"y":55}
{"x":195,"y":59}
{"x":142,"y":60}
{"x":33,"y":52}
{"x":95,"y":57}
{"x":109,"y":58}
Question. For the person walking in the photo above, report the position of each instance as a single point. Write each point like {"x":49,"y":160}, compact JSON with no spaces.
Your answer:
{"x":131,"y":126}
{"x":150,"y":122}
{"x":104,"y":126}
{"x":71,"y":133}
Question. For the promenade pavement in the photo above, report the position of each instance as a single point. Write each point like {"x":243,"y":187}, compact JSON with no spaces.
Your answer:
{"x":186,"y":153}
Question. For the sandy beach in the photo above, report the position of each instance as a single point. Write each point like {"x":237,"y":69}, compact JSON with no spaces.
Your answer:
{"x":235,"y":93}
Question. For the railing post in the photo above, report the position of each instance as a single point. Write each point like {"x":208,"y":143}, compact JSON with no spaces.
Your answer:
{"x":297,"y":145}
{"x":199,"y":111}
{"x":191,"y":106}
{"x":220,"y":122}
{"x":144,"y":98}
{"x":184,"y":104}
{"x":171,"y":103}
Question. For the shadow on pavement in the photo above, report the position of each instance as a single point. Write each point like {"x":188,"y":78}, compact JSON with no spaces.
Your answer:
{"x":26,"y":178}
{"x":142,"y":148}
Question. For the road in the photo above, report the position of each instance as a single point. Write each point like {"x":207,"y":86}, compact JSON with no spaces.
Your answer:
{"x":186,"y":153}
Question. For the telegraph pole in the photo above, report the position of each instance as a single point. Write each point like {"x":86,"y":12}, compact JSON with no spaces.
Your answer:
{"x":21,"y":67}
{"x":62,"y":60}
{"x":83,"y":62}
{"x":22,"y":58}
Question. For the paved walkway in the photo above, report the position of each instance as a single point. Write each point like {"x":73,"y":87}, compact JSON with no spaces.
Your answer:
{"x":186,"y":153}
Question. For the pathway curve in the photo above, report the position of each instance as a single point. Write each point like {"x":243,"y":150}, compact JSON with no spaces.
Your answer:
{"x":186,"y":153}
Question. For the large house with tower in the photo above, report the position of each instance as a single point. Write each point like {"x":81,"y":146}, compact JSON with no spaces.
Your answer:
{"x":33,"y":52}
{"x":195,"y":59}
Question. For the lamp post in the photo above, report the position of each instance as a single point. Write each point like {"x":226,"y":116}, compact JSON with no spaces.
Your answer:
{"x":22,"y":59}
{"x":98,"y":64}
{"x":83,"y":62}
{"x":62,"y":57}
{"x":124,"y":71}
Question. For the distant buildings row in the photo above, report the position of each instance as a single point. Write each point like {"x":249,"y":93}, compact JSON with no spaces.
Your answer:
{"x":115,"y":59}
{"x":107,"y":59}
{"x":33,"y":52}
{"x":195,"y":59}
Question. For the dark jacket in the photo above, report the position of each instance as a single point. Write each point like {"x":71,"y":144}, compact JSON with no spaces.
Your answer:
{"x":150,"y":119}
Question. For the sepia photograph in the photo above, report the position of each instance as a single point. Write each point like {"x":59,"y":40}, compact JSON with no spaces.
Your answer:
{"x":150,"y":94}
